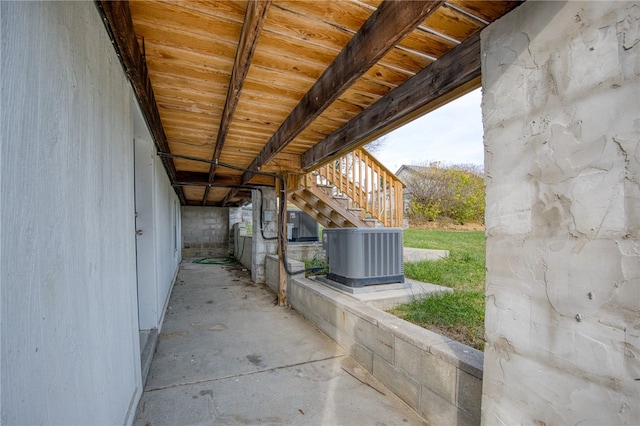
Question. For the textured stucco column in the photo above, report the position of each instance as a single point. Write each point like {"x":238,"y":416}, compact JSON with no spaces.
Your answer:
{"x":561,"y":111}
{"x":261,"y":247}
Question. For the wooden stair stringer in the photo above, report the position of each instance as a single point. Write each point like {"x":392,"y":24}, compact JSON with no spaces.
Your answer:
{"x":325,"y":209}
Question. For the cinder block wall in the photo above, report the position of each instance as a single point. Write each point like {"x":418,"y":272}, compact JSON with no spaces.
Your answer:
{"x":561,"y":110}
{"x":205,"y":231}
{"x":305,"y":251}
{"x":439,"y":378}
{"x":266,"y":200}
{"x":243,"y":246}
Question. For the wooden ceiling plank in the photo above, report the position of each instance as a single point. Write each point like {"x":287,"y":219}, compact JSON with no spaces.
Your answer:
{"x":189,"y":71}
{"x":389,"y":24}
{"x":188,"y":93}
{"x":488,"y":10}
{"x":307,"y":29}
{"x":278,"y":46}
{"x":157,"y":33}
{"x":453,"y":24}
{"x":254,"y":18}
{"x":119,"y":25}
{"x":299,"y":71}
{"x":458,"y":67}
{"x":187,"y":19}
{"x":232,"y":11}
{"x":343,"y":15}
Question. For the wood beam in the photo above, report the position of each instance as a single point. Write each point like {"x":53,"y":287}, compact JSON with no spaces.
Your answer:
{"x":389,"y":24}
{"x":117,"y":20}
{"x":251,"y":28}
{"x":246,"y":197}
{"x":226,"y":199}
{"x":457,"y":68}
{"x":284,"y":163}
{"x":283,"y":277}
{"x":235,"y":191}
{"x":222,"y":181}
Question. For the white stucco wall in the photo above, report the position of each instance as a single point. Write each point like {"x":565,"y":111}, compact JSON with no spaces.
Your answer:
{"x":70,"y":346}
{"x":168,"y":231}
{"x":561,"y":110}
{"x":159,"y":221}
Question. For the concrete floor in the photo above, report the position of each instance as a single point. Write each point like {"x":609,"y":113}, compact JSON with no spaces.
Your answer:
{"x":228,"y":355}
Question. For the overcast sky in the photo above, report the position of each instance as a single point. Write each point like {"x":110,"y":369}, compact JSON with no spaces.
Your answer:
{"x":450,"y":134}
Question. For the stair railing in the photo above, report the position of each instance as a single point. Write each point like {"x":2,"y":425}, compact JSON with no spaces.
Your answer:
{"x":368,"y":185}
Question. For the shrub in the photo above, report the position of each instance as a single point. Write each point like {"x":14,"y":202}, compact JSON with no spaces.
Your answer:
{"x":455,"y":191}
{"x":317,"y":265}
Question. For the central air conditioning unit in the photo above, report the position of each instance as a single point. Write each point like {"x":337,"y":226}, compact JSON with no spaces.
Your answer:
{"x":301,"y":227}
{"x":364,"y":256}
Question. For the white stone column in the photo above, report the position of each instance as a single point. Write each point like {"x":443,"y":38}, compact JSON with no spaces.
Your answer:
{"x":561,"y":111}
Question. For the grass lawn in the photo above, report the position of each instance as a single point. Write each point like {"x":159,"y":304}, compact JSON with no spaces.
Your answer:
{"x":459,"y":315}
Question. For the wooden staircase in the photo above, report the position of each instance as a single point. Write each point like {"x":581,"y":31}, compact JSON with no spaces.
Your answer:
{"x":355,"y":190}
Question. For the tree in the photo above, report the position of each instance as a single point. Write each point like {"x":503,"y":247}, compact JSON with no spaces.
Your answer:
{"x":376,"y":146}
{"x":454,"y":191}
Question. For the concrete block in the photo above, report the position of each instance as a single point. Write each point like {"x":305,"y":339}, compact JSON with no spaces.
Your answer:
{"x":362,"y":330}
{"x":369,"y":313}
{"x":360,"y":353}
{"x":469,"y":394}
{"x":414,"y":334}
{"x":339,"y":298}
{"x":438,"y":411}
{"x":461,"y":356}
{"x":367,"y":333}
{"x":322,"y":307}
{"x":385,"y":345}
{"x":397,"y":381}
{"x":437,"y":375}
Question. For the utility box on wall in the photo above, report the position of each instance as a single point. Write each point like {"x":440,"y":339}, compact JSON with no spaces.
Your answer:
{"x":364,"y":256}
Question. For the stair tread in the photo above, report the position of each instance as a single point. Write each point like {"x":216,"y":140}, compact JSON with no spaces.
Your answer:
{"x":328,"y":209}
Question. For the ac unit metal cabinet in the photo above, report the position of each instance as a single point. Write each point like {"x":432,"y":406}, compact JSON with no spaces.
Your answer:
{"x":302,"y":227}
{"x":364,"y":256}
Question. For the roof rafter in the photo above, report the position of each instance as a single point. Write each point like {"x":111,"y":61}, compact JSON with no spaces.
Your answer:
{"x":117,"y":20}
{"x":456,"y":69}
{"x":389,"y":24}
{"x":251,"y":28}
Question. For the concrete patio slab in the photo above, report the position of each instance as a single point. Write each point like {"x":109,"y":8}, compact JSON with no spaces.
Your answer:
{"x":410,"y":254}
{"x":228,"y":355}
{"x":387,"y":296}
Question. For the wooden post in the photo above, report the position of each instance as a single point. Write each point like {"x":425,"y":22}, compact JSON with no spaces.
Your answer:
{"x":282,"y":243}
